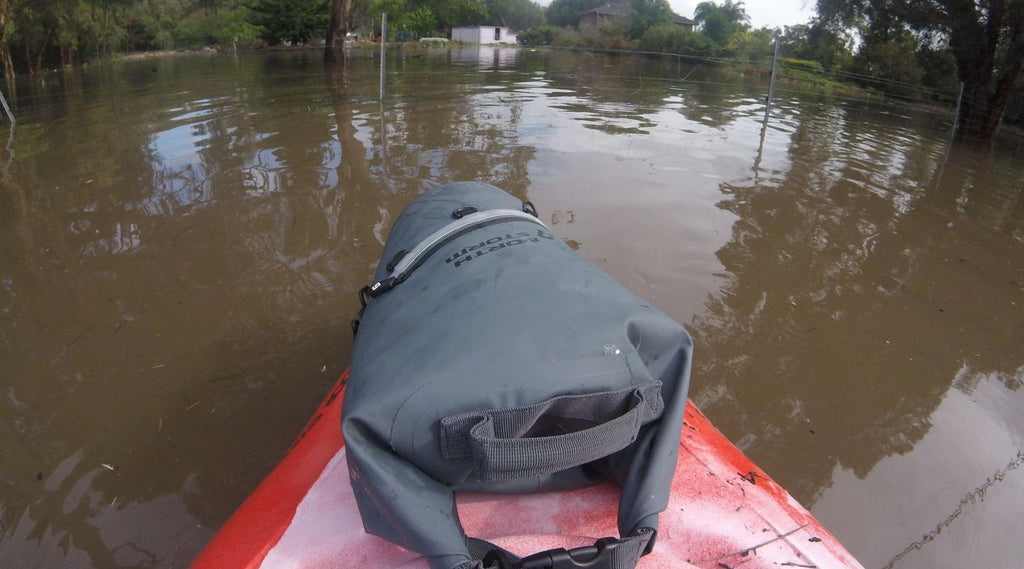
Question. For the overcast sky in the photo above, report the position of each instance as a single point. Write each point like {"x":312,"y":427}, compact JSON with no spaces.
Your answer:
{"x":774,"y":13}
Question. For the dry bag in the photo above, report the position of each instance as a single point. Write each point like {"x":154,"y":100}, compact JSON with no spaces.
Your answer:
{"x":491,"y":357}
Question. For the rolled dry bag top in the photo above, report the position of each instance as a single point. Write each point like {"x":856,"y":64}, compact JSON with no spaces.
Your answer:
{"x":491,"y":357}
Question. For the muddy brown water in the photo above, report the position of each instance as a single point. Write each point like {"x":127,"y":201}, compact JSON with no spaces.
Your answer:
{"x":182,"y":239}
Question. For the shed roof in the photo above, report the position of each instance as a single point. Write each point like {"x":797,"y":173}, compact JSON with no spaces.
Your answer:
{"x":624,"y":9}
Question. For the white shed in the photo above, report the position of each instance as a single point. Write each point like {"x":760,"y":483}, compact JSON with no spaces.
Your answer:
{"x":484,"y":34}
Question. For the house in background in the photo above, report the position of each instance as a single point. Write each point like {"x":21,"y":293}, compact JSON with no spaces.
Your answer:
{"x":611,"y":11}
{"x":484,"y":35}
{"x":683,"y":21}
{"x":605,"y":13}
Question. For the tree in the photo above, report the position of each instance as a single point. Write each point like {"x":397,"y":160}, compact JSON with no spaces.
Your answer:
{"x":647,"y":14}
{"x":420,"y":21}
{"x":452,"y":13}
{"x":5,"y":51}
{"x":294,"y":21}
{"x":516,"y":14}
{"x":337,"y":28}
{"x":821,"y":41}
{"x":671,"y":38}
{"x":720,"y":21}
{"x":752,"y":46}
{"x":567,"y":12}
{"x":892,"y":59}
{"x":986,"y":38}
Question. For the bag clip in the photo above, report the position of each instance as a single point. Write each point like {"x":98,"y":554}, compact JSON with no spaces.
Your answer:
{"x":463,"y":211}
{"x":380,"y":287}
{"x":597,"y":556}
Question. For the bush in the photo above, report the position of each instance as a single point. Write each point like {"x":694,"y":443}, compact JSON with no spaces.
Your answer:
{"x":670,"y":38}
{"x":566,"y":37}
{"x":220,"y":27}
{"x":289,"y":21}
{"x":751,"y":46}
{"x":537,"y":35}
{"x":591,"y":39}
{"x":420,"y":21}
{"x":802,"y":64}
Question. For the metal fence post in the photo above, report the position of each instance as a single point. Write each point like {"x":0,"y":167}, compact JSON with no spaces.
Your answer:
{"x":7,"y":109}
{"x":771,"y":84}
{"x":383,"y":49}
{"x":956,"y":115}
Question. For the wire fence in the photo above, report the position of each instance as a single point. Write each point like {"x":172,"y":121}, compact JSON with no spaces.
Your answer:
{"x":961,"y":111}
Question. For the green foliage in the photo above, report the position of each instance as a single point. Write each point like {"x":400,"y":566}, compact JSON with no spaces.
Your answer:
{"x":420,"y":21}
{"x":985,"y":38}
{"x":802,"y":64}
{"x":589,"y":38}
{"x":893,"y":63}
{"x":567,"y":12}
{"x":454,"y":13}
{"x":292,"y":21}
{"x":752,"y":46}
{"x":648,"y":13}
{"x":219,"y":27}
{"x":939,"y":67}
{"x":516,"y":14}
{"x":670,"y":38}
{"x":393,"y":8}
{"x":537,"y":35}
{"x":820,"y":41}
{"x":720,"y":21}
{"x":151,"y":25}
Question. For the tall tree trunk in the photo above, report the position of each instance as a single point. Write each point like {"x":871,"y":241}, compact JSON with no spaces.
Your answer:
{"x":338,"y":28}
{"x":989,"y":55}
{"x":42,"y":49}
{"x":5,"y":60}
{"x":5,"y":51}
{"x":29,"y":59}
{"x":978,"y":120}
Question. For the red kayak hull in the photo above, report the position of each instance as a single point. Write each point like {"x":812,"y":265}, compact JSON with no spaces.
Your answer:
{"x":724,"y":512}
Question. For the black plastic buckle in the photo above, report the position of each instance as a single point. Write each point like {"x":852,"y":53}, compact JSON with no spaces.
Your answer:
{"x":597,"y":556}
{"x":463,"y":211}
{"x":380,"y":287}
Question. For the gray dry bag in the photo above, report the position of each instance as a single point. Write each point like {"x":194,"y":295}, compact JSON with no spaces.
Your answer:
{"x":491,"y":357}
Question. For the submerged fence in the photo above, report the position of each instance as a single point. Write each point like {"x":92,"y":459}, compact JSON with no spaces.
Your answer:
{"x":790,"y":76}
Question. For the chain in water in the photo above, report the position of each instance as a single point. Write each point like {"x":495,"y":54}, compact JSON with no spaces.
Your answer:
{"x":972,"y":497}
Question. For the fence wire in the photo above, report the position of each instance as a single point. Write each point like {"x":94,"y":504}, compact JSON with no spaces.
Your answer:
{"x":940,"y":102}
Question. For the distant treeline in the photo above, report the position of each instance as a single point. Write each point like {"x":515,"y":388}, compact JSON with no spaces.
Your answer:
{"x":912,"y":50}
{"x":907,"y":48}
{"x":35,"y":35}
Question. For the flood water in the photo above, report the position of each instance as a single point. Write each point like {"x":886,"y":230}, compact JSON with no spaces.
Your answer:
{"x":182,"y":239}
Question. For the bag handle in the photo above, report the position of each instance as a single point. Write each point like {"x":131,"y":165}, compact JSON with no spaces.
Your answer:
{"x":502,"y":447}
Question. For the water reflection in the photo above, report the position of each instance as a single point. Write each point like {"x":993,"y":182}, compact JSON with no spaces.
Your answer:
{"x":485,"y":56}
{"x":968,"y":465}
{"x":848,"y":269}
{"x":183,"y":287}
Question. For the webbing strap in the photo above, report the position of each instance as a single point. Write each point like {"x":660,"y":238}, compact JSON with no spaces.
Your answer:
{"x":503,"y":448}
{"x":606,"y":553}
